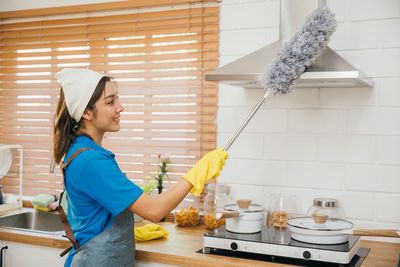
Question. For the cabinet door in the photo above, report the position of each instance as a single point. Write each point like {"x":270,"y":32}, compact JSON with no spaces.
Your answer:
{"x":18,"y":255}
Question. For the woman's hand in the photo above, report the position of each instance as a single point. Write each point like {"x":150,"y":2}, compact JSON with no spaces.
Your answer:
{"x":208,"y":167}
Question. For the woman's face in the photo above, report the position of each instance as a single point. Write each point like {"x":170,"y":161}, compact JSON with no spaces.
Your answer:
{"x":107,"y":110}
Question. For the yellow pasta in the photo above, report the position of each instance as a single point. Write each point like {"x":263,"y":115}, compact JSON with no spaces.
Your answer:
{"x":212,"y":223}
{"x":278,"y":219}
{"x":187,"y":217}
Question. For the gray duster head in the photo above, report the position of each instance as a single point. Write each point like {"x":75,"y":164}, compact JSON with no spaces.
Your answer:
{"x":299,"y":52}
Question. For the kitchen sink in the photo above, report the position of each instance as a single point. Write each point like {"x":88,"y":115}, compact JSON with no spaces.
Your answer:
{"x":33,"y":221}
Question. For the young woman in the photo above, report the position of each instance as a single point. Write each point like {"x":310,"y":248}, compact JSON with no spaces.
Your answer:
{"x":101,"y":199}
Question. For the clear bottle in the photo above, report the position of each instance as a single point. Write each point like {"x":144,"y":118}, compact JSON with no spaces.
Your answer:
{"x":217,"y":196}
{"x":281,"y":209}
{"x":324,"y":208}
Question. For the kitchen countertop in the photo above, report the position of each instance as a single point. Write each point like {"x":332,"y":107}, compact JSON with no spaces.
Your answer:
{"x":181,"y":246}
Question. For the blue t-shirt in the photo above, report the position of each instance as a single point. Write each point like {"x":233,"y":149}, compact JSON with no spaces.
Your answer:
{"x":97,"y":191}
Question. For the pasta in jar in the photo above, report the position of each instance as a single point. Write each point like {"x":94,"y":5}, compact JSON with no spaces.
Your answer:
{"x":217,"y":197}
{"x":282,"y":208}
{"x":212,"y":222}
{"x":187,"y":217}
{"x":278,"y":219}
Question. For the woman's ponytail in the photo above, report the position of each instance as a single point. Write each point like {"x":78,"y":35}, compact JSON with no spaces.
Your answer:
{"x":64,"y":128}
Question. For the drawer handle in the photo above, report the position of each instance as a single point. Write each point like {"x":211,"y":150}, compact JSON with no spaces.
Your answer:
{"x":1,"y":255}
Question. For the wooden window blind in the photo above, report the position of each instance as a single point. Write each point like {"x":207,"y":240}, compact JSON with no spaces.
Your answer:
{"x":158,"y":54}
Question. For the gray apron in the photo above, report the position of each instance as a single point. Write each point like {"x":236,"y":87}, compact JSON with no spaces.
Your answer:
{"x":113,"y":247}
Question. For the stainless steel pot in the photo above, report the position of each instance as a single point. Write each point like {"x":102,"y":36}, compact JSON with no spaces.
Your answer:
{"x":244,"y":220}
{"x":333,"y":231}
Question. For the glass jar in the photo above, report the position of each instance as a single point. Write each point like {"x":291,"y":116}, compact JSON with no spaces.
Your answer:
{"x":217,"y":196}
{"x":187,"y":216}
{"x":281,"y":209}
{"x":324,"y":208}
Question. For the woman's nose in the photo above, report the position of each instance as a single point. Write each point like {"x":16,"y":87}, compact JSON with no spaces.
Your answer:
{"x":120,"y":107}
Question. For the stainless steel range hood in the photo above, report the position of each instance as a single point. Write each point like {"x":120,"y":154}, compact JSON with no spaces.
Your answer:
{"x":330,"y":69}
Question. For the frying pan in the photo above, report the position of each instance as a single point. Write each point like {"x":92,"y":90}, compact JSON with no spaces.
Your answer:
{"x":333,"y":231}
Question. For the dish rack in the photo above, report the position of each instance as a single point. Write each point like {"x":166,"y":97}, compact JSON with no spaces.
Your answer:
{"x":16,"y":170}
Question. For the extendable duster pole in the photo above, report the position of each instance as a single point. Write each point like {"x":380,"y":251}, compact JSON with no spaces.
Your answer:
{"x":246,"y":121}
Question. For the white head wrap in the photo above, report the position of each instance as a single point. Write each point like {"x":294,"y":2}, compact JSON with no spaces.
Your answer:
{"x":78,"y":86}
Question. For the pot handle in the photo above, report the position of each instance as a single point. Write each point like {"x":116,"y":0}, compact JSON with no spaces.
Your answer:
{"x":377,"y":232}
{"x":224,"y":215}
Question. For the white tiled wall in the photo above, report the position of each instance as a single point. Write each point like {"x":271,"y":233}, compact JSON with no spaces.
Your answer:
{"x":342,"y":143}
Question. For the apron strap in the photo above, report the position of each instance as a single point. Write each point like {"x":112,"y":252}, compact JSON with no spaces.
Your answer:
{"x":61,"y":213}
{"x":73,"y":156}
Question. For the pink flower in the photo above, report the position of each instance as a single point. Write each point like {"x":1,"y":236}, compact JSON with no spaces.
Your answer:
{"x":164,"y":158}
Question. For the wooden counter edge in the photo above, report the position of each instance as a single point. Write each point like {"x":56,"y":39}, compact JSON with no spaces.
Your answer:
{"x":202,"y":260}
{"x":33,"y":238}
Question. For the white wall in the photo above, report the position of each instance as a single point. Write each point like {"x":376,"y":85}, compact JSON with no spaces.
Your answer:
{"x":342,"y":143}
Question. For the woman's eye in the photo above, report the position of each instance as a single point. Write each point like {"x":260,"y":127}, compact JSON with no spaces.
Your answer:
{"x":111,"y":102}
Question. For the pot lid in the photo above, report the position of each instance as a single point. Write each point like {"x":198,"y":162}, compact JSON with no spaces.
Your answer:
{"x":251,"y":208}
{"x":330,"y":225}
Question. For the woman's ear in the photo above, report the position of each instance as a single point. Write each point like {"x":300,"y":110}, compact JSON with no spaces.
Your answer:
{"x":87,"y":114}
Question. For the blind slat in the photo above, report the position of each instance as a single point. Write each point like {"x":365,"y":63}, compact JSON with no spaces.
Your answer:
{"x":104,"y":50}
{"x":145,"y":83}
{"x":36,"y":90}
{"x":203,"y":37}
{"x":155,"y":16}
{"x":187,"y":56}
{"x":100,"y":7}
{"x":147,"y":75}
{"x":117,"y":143}
{"x":30,"y":70}
{"x":171,"y":30}
{"x":103,"y":26}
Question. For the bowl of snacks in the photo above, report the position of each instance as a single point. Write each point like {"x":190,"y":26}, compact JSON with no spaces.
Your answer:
{"x":188,"y":216}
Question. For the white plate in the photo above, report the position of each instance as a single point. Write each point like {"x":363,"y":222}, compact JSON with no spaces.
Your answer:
{"x":5,"y":161}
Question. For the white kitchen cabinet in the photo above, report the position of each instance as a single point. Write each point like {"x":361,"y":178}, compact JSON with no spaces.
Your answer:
{"x":26,"y":255}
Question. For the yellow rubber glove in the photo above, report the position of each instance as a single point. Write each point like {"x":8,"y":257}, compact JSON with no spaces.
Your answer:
{"x":149,"y":231}
{"x":208,"y":167}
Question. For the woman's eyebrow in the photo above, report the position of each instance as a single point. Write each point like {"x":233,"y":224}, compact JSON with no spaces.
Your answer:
{"x":112,"y":95}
